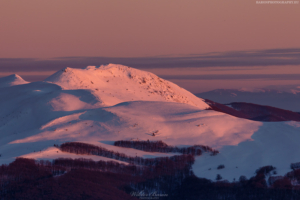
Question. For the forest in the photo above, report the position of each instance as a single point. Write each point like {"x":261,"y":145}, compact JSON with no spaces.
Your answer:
{"x":160,"y":146}
{"x":170,"y":177}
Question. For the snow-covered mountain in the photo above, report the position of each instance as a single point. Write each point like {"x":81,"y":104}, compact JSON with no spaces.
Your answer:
{"x":11,"y":80}
{"x":35,"y":111}
{"x":287,"y":99}
{"x":113,"y":84}
{"x":100,"y":105}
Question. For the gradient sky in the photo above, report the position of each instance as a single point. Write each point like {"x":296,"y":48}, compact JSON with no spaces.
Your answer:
{"x":33,"y":32}
{"x":118,"y":28}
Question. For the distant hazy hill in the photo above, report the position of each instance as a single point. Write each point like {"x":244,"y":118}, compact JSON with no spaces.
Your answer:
{"x":288,"y":100}
{"x":11,"y":80}
{"x":254,"y":111}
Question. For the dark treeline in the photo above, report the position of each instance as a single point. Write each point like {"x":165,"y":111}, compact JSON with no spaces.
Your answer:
{"x":195,"y":188}
{"x":161,"y":176}
{"x":170,"y":176}
{"x":160,"y":146}
{"x":174,"y":177}
{"x":166,"y":166}
{"x":89,"y":149}
{"x":79,"y":178}
{"x":87,"y":179}
{"x":29,"y":180}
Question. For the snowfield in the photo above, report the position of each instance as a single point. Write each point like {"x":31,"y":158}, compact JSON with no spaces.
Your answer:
{"x":275,"y":143}
{"x":100,"y":105}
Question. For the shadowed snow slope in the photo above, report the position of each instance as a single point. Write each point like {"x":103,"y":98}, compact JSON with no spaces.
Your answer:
{"x":100,"y":105}
{"x":11,"y":80}
{"x":275,"y":143}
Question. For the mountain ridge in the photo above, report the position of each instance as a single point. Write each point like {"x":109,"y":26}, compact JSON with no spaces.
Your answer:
{"x":287,"y":99}
{"x":114,"y":84}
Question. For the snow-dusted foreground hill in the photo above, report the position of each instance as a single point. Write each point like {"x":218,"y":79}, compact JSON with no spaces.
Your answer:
{"x":100,"y":105}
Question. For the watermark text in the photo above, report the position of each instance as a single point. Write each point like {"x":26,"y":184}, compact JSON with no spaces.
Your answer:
{"x":277,"y":2}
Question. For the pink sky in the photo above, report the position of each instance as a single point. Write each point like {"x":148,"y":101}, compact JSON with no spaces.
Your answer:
{"x":146,"y":28}
{"x":134,"y":28}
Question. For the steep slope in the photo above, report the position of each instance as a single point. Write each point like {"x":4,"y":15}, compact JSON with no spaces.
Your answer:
{"x":114,"y":84}
{"x":265,"y":113}
{"x":11,"y":80}
{"x":286,"y":99}
{"x":254,"y":112}
{"x":226,"y":109}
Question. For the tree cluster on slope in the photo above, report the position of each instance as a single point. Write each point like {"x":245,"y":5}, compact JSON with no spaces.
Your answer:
{"x":89,"y":149}
{"x":160,"y":146}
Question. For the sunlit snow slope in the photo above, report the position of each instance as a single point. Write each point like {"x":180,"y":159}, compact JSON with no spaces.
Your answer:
{"x":113,"y":84}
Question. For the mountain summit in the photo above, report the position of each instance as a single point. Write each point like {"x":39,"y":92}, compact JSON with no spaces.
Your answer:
{"x":114,"y":84}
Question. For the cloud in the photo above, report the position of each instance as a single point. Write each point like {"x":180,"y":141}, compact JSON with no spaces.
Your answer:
{"x":241,"y":59}
{"x":234,"y":77}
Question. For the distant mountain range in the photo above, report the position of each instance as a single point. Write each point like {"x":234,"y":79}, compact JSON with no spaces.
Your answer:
{"x":287,"y":99}
{"x":254,"y":111}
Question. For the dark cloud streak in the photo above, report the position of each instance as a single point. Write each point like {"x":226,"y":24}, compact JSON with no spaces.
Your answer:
{"x":234,"y":77}
{"x":269,"y":57}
